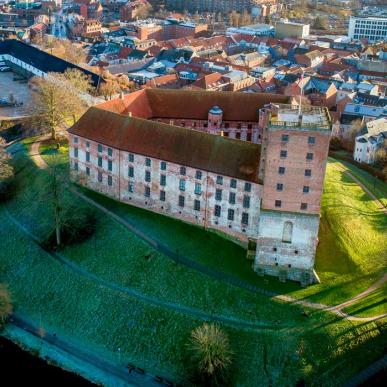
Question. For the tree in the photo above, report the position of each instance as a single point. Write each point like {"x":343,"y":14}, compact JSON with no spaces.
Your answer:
{"x":5,"y":305}
{"x":143,"y":11}
{"x":55,"y":99}
{"x":109,"y":88}
{"x":6,"y":172}
{"x":320,"y":23}
{"x":211,"y":353}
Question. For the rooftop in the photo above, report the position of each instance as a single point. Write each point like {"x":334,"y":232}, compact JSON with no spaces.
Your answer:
{"x":304,"y":118}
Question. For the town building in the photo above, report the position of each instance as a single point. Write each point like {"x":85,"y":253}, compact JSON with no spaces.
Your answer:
{"x":372,"y":28}
{"x":151,"y":151}
{"x":371,"y":138}
{"x":287,"y":29}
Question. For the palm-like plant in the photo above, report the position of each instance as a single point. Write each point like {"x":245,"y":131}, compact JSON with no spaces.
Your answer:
{"x":210,"y":351}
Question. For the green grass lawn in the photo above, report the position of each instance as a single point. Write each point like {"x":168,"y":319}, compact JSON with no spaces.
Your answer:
{"x":154,"y":337}
{"x":372,"y":305}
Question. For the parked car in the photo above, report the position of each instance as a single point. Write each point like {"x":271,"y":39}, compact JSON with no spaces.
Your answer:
{"x":5,"y":69}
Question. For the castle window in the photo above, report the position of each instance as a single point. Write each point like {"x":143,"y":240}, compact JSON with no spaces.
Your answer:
{"x":217,"y":210}
{"x":245,"y":218}
{"x":309,"y":156}
{"x":287,"y":232}
{"x":110,"y":152}
{"x":75,"y":152}
{"x":239,"y":126}
{"x":130,"y":171}
{"x":181,"y":201}
{"x":246,"y":201}
{"x":198,"y":188}
{"x":110,"y":180}
{"x":230,"y":214}
{"x":162,"y":196}
{"x":238,"y":135}
{"x":131,"y":157}
{"x":100,"y":177}
{"x":219,"y":180}
{"x":280,"y":187}
{"x":233,"y":183}
{"x":147,"y":192}
{"x":183,"y":171}
{"x":305,"y":189}
{"x":248,"y":187}
{"x":231,"y":198}
{"x":285,"y":138}
{"x":281,"y":170}
{"x":304,"y":206}
{"x":147,"y":176}
{"x":87,"y":156}
{"x":100,"y":161}
{"x":182,"y":185}
{"x":87,"y":144}
{"x":87,"y":171}
{"x":197,"y":205}
{"x":76,"y":166}
{"x":308,"y":172}
{"x":249,"y":126}
{"x":163,"y":165}
{"x":198,"y":175}
{"x":248,"y":137}
{"x":163,"y":180}
{"x":283,"y":154}
{"x":75,"y":140}
{"x":100,"y":148}
{"x":218,"y":194}
{"x":131,"y":186}
{"x":148,"y":162}
{"x":110,"y":165}
{"x":226,"y":125}
{"x":311,"y":140}
{"x":278,"y":203}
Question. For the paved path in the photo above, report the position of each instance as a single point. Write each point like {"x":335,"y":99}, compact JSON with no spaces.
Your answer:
{"x":35,"y":154}
{"x":51,"y":338}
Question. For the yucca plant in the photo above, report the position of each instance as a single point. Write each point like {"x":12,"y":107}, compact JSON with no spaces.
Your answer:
{"x":211,"y":352}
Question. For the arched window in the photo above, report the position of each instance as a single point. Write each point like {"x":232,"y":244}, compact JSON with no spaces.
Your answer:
{"x":287,"y":232}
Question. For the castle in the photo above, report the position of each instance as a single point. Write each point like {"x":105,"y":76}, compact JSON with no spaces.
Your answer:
{"x":249,"y":165}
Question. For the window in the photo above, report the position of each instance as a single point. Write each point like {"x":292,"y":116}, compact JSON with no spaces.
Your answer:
{"x":219,"y":180}
{"x":248,"y":187}
{"x":226,"y":125}
{"x":131,"y":157}
{"x":75,"y":152}
{"x":197,"y":205}
{"x":147,"y":176}
{"x":75,"y":140}
{"x":110,"y":152}
{"x":283,"y":154}
{"x":245,"y":218}
{"x":183,"y":171}
{"x":278,"y":203}
{"x":76,"y":166}
{"x":131,"y":186}
{"x":87,"y":171}
{"x":230,"y":214}
{"x":100,"y":176}
{"x":287,"y":232}
{"x":147,"y":192}
{"x":285,"y":138}
{"x":233,"y":183}
{"x":238,"y":135}
{"x":181,"y":201}
{"x":304,"y":206}
{"x":198,"y":175}
{"x":309,"y":156}
{"x":87,"y":156}
{"x":217,"y":210}
{"x":249,"y":126}
{"x":280,"y":187}
{"x":148,"y":162}
{"x":163,"y":180}
{"x":100,"y":161}
{"x":87,"y":144}
{"x":305,"y":189}
{"x":110,"y":180}
{"x":218,"y":194}
{"x":163,"y":165}
{"x":130,"y":171}
{"x":162,"y":196}
{"x":182,"y":185}
{"x":110,"y":165}
{"x":246,"y":201}
{"x":198,"y":188}
{"x":100,"y":148}
{"x":281,"y":170}
{"x":312,"y":140}
{"x":308,"y":172}
{"x":231,"y":198}
{"x":248,"y":137}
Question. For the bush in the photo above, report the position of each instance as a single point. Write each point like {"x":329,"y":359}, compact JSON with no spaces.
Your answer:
{"x":77,"y":224}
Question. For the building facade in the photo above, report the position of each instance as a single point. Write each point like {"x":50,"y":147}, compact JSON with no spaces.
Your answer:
{"x":264,"y":190}
{"x":372,"y":28}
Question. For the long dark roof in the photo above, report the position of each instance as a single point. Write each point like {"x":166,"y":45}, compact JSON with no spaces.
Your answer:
{"x":41,"y":60}
{"x":217,"y":154}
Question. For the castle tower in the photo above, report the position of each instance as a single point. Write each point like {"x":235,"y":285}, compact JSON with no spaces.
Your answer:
{"x":295,"y":147}
{"x":215,"y":118}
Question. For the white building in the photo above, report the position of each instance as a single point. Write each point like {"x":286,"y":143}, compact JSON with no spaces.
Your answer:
{"x":372,"y":28}
{"x":372,"y":138}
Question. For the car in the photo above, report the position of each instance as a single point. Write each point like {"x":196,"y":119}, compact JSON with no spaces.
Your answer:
{"x":5,"y":69}
{"x":2,"y":64}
